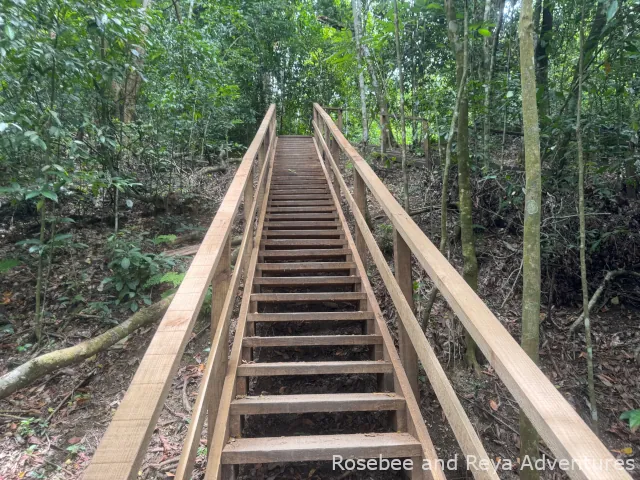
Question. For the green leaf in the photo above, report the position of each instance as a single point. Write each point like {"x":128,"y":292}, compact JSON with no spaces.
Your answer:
{"x":125,"y":263}
{"x":32,"y":194}
{"x":634,"y":418}
{"x":435,"y":6}
{"x":611,"y":11}
{"x":484,"y":32}
{"x":509,"y":94}
{"x":9,"y":32}
{"x":50,"y":195}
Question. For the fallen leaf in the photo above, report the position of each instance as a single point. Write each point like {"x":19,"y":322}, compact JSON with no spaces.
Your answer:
{"x":493,"y":405}
{"x":74,"y":440}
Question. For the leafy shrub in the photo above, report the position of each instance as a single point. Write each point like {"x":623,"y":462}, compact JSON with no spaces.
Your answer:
{"x":131,"y":269}
{"x":385,"y":238}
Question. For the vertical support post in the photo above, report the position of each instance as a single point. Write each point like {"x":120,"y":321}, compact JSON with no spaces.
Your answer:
{"x":248,"y":200}
{"x":408,"y":356}
{"x":220,"y":286}
{"x":335,"y":153}
{"x":425,"y":143}
{"x":360,"y":197}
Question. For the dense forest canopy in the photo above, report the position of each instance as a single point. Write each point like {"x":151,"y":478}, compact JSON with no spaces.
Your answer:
{"x":513,"y":118}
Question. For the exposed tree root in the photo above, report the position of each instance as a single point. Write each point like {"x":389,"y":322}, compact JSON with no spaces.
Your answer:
{"x":29,"y":372}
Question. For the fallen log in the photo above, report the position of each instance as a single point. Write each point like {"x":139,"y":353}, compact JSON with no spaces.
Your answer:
{"x":29,"y":372}
{"x":596,"y":296}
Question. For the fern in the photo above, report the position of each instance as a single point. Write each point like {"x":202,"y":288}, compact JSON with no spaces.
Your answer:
{"x":174,"y":278}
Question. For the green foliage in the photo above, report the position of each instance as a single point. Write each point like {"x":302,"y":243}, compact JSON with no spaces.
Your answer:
{"x":173,"y":278}
{"x":160,"y":239}
{"x":385,"y":238}
{"x":7,"y":264}
{"x":633,"y":416}
{"x":131,"y":269}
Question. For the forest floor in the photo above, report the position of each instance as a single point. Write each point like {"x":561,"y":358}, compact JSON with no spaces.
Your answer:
{"x":51,"y":429}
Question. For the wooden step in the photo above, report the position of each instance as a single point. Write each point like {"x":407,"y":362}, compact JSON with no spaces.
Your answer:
{"x":297,"y":225}
{"x":305,"y":281}
{"x":307,"y":209}
{"x":313,"y":368}
{"x":315,"y":448}
{"x":301,"y":203}
{"x":335,"y":402}
{"x":308,"y":297}
{"x":310,"y":317}
{"x":312,"y":341}
{"x":299,"y":216}
{"x":300,"y":196}
{"x":305,"y":253}
{"x":311,"y":234}
{"x":304,"y":242}
{"x":308,"y":267}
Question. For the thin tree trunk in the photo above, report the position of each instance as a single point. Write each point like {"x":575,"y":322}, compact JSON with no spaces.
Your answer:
{"x":583,"y":249}
{"x":470,"y":268}
{"x":531,"y":240}
{"x":403,"y":125}
{"x":357,"y":30}
{"x":506,"y":104}
{"x":444,"y":238}
{"x":489,"y":78}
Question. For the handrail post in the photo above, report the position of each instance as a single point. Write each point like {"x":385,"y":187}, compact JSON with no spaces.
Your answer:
{"x":248,"y":200}
{"x":219,"y":287}
{"x":408,"y":355}
{"x":360,"y":197}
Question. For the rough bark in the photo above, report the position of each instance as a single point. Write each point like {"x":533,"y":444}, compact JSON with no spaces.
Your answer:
{"x":531,"y":239}
{"x":470,"y":268}
{"x":403,"y":125}
{"x":357,"y":33}
{"x":29,"y":372}
{"x":542,"y":57}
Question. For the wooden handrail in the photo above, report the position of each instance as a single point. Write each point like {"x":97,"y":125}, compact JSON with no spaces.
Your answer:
{"x":124,"y":444}
{"x":464,"y":432}
{"x":566,"y":434}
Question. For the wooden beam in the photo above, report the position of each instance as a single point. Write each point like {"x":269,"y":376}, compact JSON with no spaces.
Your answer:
{"x":125,"y":441}
{"x":408,"y":356}
{"x":558,"y":424}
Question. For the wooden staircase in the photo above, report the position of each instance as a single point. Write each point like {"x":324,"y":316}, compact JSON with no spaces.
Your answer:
{"x":305,"y":278}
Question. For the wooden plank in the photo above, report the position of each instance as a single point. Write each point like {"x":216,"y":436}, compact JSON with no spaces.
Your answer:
{"x":308,"y":267}
{"x":461,"y":425}
{"x":310,"y":317}
{"x":282,"y":217}
{"x":308,"y":209}
{"x":320,"y":447}
{"x":125,"y":441}
{"x":335,"y":402}
{"x":312,"y":341}
{"x":308,"y":242}
{"x":308,"y":297}
{"x":562,"y":429}
{"x":413,"y":419}
{"x":408,"y":356}
{"x":313,"y":368}
{"x":306,"y":281}
{"x":282,"y":234}
{"x":211,"y":385}
{"x":305,"y":253}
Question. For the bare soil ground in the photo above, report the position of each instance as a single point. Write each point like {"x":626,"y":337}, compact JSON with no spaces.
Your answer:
{"x":50,"y":430}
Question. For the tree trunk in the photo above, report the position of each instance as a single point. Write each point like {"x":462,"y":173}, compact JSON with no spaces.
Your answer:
{"x":531,"y":240}
{"x":29,"y":372}
{"x":357,"y":32}
{"x":583,"y":248}
{"x":470,"y":268}
{"x":489,"y":66}
{"x":542,"y":58}
{"x":403,"y":125}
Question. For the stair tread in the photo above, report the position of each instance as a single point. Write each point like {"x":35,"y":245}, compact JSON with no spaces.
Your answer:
{"x":310,"y":317}
{"x":306,"y":281}
{"x":320,"y":447}
{"x":306,"y":403}
{"x":312,"y":340}
{"x":309,"y":297}
{"x":305,"y":266}
{"x":314,"y":368}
